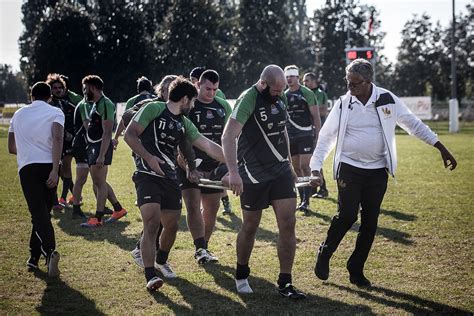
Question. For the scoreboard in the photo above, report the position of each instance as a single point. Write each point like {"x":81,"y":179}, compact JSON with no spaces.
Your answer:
{"x":360,"y":52}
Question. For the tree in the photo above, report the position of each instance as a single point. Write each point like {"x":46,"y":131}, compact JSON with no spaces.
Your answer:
{"x":329,"y":34}
{"x":191,"y":36}
{"x":63,"y":43}
{"x":12,"y":86}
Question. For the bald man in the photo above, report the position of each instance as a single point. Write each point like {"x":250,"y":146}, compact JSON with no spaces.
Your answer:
{"x":260,"y":171}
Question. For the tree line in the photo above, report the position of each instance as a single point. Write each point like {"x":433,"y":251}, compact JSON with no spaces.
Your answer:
{"x":122,"y":40}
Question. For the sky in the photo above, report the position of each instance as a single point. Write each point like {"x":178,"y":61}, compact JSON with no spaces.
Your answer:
{"x":393,"y":14}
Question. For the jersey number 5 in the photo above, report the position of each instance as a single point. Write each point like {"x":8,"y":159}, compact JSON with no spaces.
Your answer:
{"x":263,"y":116}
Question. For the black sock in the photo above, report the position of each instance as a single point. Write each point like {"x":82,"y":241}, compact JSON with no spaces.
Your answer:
{"x":301,"y":192}
{"x":284,"y":279}
{"x":307,"y":194}
{"x":67,"y":182}
{"x":200,"y":243}
{"x":71,"y":186}
{"x":76,"y":208}
{"x":150,"y":273}
{"x":99,"y":215}
{"x":225,"y":199}
{"x":323,"y":186}
{"x":242,"y":271}
{"x":162,"y":256}
{"x":117,"y":206}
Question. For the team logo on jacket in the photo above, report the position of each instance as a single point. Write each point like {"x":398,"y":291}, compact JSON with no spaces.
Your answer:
{"x":209,"y":115}
{"x":386,"y":112}
{"x":163,"y":135}
{"x":179,"y":125}
{"x":270,"y":125}
{"x":274,"y":109}
{"x":171,"y":126}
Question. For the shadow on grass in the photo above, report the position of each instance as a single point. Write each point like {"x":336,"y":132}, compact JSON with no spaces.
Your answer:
{"x":233,"y":223}
{"x":266,"y":300}
{"x":60,"y":298}
{"x":407,"y":302}
{"x":388,"y":233}
{"x":108,"y":232}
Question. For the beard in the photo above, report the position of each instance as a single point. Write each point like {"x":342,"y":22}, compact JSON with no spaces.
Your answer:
{"x":267,"y":96}
{"x":89,"y":96}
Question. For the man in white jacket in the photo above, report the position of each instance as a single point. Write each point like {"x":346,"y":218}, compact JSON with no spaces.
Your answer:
{"x":361,"y":126}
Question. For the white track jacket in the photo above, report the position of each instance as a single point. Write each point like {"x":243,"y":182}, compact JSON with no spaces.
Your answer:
{"x":391,"y":111}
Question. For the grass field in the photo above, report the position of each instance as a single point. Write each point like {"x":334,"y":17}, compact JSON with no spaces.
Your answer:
{"x":422,"y":259}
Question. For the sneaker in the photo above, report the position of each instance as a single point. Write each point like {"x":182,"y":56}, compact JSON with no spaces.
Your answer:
{"x":53,"y":261}
{"x":58,"y":207}
{"x":92,"y":222}
{"x":32,"y":263}
{"x":291,"y":292}
{"x":78,"y":215}
{"x":137,"y":257}
{"x":108,"y":211}
{"x":243,"y":286}
{"x":116,"y":216}
{"x":321,"y":194}
{"x":62,"y":202}
{"x":227,"y":208}
{"x":154,"y":284}
{"x":166,"y":270}
{"x":203,"y":256}
{"x":304,"y":207}
{"x":359,"y":280}
{"x":322,"y":264}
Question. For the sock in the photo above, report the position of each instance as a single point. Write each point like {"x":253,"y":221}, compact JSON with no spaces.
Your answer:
{"x":162,"y":256}
{"x":67,"y":182}
{"x":71,"y":186}
{"x":284,"y":279}
{"x":225,"y":200}
{"x":99,"y":215}
{"x":150,"y":273}
{"x":76,"y":208}
{"x":207,"y":244}
{"x":200,"y":243}
{"x":307,"y":194}
{"x":117,"y":206}
{"x":323,"y":186}
{"x":242,"y":271}
{"x":301,"y":192}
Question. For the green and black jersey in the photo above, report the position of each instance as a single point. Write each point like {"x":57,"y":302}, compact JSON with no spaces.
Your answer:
{"x":262,"y":148}
{"x":300,"y":123}
{"x":81,"y":114}
{"x":210,"y":119}
{"x":321,"y":97}
{"x":162,"y":135}
{"x":67,"y":107}
{"x":220,"y":94}
{"x":74,"y":97}
{"x":104,"y":109}
{"x":138,"y":98}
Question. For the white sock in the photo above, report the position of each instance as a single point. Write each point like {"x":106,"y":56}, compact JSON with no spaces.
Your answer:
{"x":243,"y":286}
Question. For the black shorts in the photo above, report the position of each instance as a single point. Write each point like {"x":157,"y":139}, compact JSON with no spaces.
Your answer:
{"x":214,"y":175}
{"x":93,"y":152}
{"x":153,"y":189}
{"x":80,"y":155}
{"x":259,"y":196}
{"x":302,"y":146}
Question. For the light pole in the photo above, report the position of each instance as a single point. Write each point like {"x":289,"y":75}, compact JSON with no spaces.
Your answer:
{"x":453,"y":102}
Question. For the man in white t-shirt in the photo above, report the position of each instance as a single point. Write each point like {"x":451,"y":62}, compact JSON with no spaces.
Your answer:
{"x":35,"y":136}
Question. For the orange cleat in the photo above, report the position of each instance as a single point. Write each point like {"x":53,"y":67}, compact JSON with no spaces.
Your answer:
{"x":116,"y":216}
{"x":92,"y":222}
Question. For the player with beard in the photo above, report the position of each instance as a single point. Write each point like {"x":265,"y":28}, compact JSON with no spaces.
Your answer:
{"x":59,"y":100}
{"x":154,"y":134}
{"x":100,"y":149}
{"x":260,"y":170}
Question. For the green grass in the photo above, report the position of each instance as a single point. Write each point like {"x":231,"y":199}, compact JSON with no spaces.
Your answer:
{"x":421,"y":262}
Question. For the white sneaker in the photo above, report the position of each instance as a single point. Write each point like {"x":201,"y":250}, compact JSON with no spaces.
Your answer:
{"x":243,"y":286}
{"x":154,"y":284}
{"x":137,"y":257}
{"x":204,"y":256}
{"x":53,"y":262}
{"x":166,"y":270}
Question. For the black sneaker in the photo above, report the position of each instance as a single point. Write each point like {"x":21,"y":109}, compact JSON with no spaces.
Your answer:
{"x":32,"y":263}
{"x":359,"y":280}
{"x":304,"y":207}
{"x":321,"y":194}
{"x":291,"y":292}
{"x":227,"y":208}
{"x":322,"y":264}
{"x":78,"y":215}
